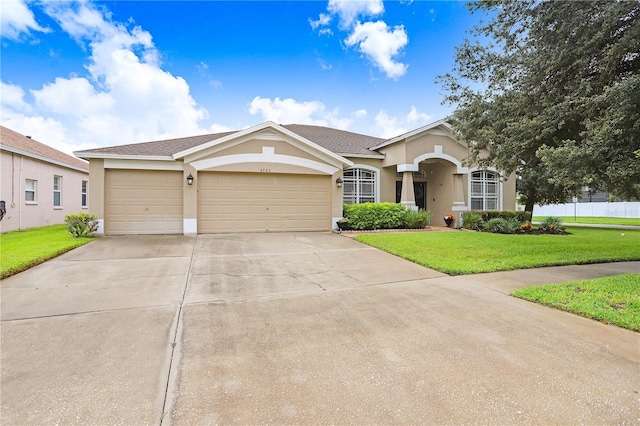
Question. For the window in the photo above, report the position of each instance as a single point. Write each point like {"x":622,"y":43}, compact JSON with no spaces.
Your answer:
{"x":84,"y":193}
{"x":484,"y":190}
{"x":359,"y":186}
{"x":30,"y":186}
{"x":57,"y":191}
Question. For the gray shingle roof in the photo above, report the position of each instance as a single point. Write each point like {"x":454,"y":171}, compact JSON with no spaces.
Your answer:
{"x":337,"y":141}
{"x":166,"y":147}
{"x":20,"y":142}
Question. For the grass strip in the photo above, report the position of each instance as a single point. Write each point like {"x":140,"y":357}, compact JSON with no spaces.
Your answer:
{"x":21,"y":250}
{"x":611,"y":300}
{"x":459,"y":253}
{"x":595,"y":220}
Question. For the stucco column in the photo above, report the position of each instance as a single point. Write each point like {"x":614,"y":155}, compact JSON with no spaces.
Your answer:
{"x":337,"y":199}
{"x":408,"y":196}
{"x":97,"y":188}
{"x":190,"y":202}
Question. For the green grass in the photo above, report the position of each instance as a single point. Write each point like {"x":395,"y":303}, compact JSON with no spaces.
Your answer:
{"x":457,"y":253}
{"x":612,"y":300}
{"x":595,"y":220}
{"x":20,"y":250}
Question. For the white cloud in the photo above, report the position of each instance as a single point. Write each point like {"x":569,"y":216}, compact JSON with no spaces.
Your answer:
{"x":16,"y":19}
{"x":361,"y":113}
{"x":219,"y":128}
{"x":13,"y":97}
{"x":62,"y":96}
{"x":287,"y":111}
{"x":126,"y":96}
{"x":420,"y":117}
{"x":350,"y":10}
{"x":322,"y":21}
{"x":387,"y":126}
{"x":380,"y":45}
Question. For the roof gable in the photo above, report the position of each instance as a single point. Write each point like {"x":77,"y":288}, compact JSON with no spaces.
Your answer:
{"x":18,"y":143}
{"x":337,"y":141}
{"x":440,"y":124}
{"x":265,"y":130}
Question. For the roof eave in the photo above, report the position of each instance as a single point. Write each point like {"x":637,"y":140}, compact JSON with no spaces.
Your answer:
{"x":43,"y":158}
{"x":87,"y":155}
{"x":442,"y":122}
{"x":257,"y":128}
{"x":371,"y":156}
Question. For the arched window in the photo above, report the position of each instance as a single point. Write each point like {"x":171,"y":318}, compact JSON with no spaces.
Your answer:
{"x":359,"y":186}
{"x":485,"y":190}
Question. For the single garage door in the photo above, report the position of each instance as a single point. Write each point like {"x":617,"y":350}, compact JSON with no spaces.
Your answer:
{"x":143,"y":202}
{"x":259,"y":202}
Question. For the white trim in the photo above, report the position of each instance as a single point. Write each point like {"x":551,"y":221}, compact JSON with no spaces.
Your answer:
{"x":417,"y":131}
{"x":100,"y":230}
{"x":42,"y":158}
{"x":438,"y":154}
{"x":254,"y":133}
{"x":189,"y":226}
{"x":500,"y":184}
{"x":98,"y":155}
{"x":218,"y":141}
{"x":408,"y":168}
{"x":371,"y":156}
{"x":266,"y":156}
{"x":371,"y":169}
{"x":139,"y":164}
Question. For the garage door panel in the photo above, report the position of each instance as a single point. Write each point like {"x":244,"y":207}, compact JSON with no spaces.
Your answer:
{"x":143,"y":202}
{"x":244,"y":202}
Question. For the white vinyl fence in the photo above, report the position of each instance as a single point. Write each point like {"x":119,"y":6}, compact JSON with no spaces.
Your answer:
{"x":630,"y":209}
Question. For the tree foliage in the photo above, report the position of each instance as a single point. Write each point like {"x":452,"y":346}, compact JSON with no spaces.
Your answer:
{"x":551,"y":90}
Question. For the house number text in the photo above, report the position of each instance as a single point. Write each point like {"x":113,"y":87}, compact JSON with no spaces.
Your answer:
{"x":265,"y":170}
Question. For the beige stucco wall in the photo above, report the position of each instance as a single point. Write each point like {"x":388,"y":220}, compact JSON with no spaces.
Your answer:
{"x":97,"y":189}
{"x":21,"y":214}
{"x":509,"y":193}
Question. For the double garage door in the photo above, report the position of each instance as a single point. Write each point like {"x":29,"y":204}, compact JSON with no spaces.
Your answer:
{"x":259,"y":202}
{"x":151,"y":202}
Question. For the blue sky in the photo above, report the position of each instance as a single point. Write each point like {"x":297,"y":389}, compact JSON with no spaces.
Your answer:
{"x":77,"y":75}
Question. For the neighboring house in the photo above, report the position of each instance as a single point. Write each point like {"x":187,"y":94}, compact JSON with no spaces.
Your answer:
{"x":274,"y":177}
{"x":40,"y":185}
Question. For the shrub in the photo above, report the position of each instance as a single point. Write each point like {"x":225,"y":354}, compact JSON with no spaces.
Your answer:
{"x":472,"y":221}
{"x":416,"y":219}
{"x":552,"y":225}
{"x":486,"y":215}
{"x":499,"y":225}
{"x":81,"y":224}
{"x":370,"y":216}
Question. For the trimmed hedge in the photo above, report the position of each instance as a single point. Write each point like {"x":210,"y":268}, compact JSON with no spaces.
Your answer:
{"x":487,"y":215}
{"x":369,"y":216}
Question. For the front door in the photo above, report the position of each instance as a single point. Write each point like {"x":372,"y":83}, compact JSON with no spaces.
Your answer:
{"x":419,"y":192}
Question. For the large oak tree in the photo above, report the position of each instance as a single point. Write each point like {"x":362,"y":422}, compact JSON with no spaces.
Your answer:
{"x":551,"y":90}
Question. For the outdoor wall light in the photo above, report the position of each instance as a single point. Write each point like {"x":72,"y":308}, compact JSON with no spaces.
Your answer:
{"x":190,"y":179}
{"x":339,"y":183}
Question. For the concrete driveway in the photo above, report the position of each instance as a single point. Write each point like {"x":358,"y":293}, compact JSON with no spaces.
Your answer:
{"x":305,"y":328}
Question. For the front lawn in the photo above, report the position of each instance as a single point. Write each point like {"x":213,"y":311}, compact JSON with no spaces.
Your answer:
{"x":20,"y":250}
{"x":613,"y":300}
{"x":595,"y":220}
{"x":465,"y":252}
